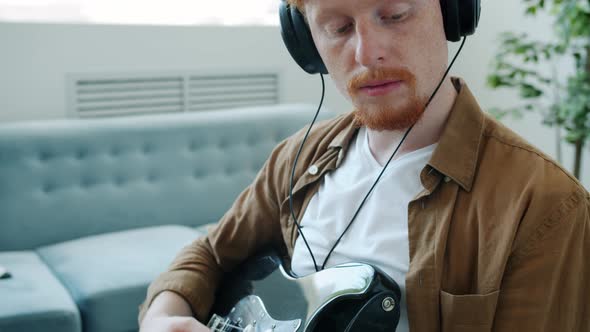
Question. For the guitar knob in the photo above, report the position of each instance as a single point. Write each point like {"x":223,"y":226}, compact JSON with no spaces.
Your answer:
{"x":388,"y":304}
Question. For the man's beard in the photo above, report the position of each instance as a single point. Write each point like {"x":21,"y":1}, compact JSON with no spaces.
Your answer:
{"x":383,"y":116}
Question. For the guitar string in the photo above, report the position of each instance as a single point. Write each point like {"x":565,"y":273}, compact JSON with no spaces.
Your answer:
{"x":222,"y":329}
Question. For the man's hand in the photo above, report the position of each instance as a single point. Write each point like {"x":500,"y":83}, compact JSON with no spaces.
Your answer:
{"x":172,"y":324}
{"x":170,"y":313}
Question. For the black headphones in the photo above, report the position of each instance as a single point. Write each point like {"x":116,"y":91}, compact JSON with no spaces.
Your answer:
{"x":460,"y":19}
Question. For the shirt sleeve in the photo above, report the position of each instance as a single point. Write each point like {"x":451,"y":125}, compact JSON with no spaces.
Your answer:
{"x":197,"y":270}
{"x":546,"y":285}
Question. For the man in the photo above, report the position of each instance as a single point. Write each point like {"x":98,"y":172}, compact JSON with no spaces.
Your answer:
{"x":481,"y":230}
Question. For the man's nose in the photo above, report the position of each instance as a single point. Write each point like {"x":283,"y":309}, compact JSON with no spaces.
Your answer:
{"x":371,"y":50}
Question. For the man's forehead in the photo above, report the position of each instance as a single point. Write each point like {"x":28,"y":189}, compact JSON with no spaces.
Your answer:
{"x":335,"y":5}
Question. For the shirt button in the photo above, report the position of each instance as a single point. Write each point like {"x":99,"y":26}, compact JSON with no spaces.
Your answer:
{"x":447,"y":179}
{"x":313,"y":170}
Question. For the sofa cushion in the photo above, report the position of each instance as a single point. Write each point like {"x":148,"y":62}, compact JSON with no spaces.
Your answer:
{"x":33,"y":299}
{"x":108,"y":274}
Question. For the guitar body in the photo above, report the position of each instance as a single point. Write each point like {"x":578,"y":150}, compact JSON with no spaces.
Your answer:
{"x":261,"y":296}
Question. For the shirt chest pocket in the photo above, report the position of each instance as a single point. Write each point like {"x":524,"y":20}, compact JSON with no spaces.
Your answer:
{"x":466,"y":313}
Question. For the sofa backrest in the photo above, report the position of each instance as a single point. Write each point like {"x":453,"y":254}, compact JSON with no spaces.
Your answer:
{"x":63,"y":179}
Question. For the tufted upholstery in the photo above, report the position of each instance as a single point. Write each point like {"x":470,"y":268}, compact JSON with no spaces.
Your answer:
{"x":95,"y":209}
{"x":61,"y":180}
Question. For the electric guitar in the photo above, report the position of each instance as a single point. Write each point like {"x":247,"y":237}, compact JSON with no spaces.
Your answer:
{"x":261,"y":296}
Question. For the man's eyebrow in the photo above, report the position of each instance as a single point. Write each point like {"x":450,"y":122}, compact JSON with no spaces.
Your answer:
{"x":322,"y":18}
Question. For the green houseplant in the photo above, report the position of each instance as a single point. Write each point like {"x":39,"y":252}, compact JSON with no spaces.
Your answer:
{"x":531,"y":67}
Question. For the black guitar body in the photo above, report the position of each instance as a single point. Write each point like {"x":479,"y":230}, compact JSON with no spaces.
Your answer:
{"x":261,"y":296}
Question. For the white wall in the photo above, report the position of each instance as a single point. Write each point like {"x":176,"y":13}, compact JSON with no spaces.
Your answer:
{"x":34,"y":59}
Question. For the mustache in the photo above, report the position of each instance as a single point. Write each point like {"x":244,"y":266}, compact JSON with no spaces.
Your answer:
{"x":380,"y":74}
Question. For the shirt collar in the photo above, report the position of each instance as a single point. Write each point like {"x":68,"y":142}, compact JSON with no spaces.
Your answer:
{"x":458,"y":148}
{"x":343,"y":138}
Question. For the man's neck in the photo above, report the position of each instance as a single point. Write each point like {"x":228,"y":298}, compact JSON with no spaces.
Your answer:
{"x":427,"y":130}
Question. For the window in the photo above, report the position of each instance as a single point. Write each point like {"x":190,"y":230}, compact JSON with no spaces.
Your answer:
{"x":159,"y":12}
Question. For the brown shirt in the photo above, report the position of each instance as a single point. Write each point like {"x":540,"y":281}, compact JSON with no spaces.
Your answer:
{"x":498,"y":239}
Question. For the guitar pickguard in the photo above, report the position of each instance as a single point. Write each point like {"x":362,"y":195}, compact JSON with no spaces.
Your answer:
{"x":262,"y":296}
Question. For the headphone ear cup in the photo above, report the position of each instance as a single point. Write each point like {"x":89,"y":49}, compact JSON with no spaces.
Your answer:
{"x":450,"y":12}
{"x":299,"y":41}
{"x":469,"y":16}
{"x":460,"y":17}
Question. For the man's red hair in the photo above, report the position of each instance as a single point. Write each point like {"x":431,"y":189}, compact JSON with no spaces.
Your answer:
{"x":297,"y":4}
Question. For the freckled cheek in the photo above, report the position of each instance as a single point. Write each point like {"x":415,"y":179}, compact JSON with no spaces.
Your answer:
{"x":337,"y":64}
{"x":340,"y":75}
{"x":342,"y":85}
{"x":341,"y":63}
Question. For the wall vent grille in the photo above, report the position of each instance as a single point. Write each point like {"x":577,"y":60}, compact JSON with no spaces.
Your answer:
{"x":92,"y":95}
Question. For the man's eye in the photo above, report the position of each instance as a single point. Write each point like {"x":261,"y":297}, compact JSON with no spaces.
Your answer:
{"x":394,"y":17}
{"x":344,"y":28}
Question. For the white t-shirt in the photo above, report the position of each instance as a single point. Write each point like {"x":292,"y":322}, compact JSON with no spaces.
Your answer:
{"x":379,"y":234}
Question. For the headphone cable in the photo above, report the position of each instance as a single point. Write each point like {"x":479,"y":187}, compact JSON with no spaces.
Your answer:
{"x":378,"y":177}
{"x":390,"y":159}
{"x":293,"y":174}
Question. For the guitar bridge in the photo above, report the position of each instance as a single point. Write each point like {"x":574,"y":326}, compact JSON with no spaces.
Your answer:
{"x":250,"y":315}
{"x":221,"y":324}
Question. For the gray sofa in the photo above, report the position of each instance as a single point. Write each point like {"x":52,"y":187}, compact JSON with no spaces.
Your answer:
{"x":92,"y":210}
